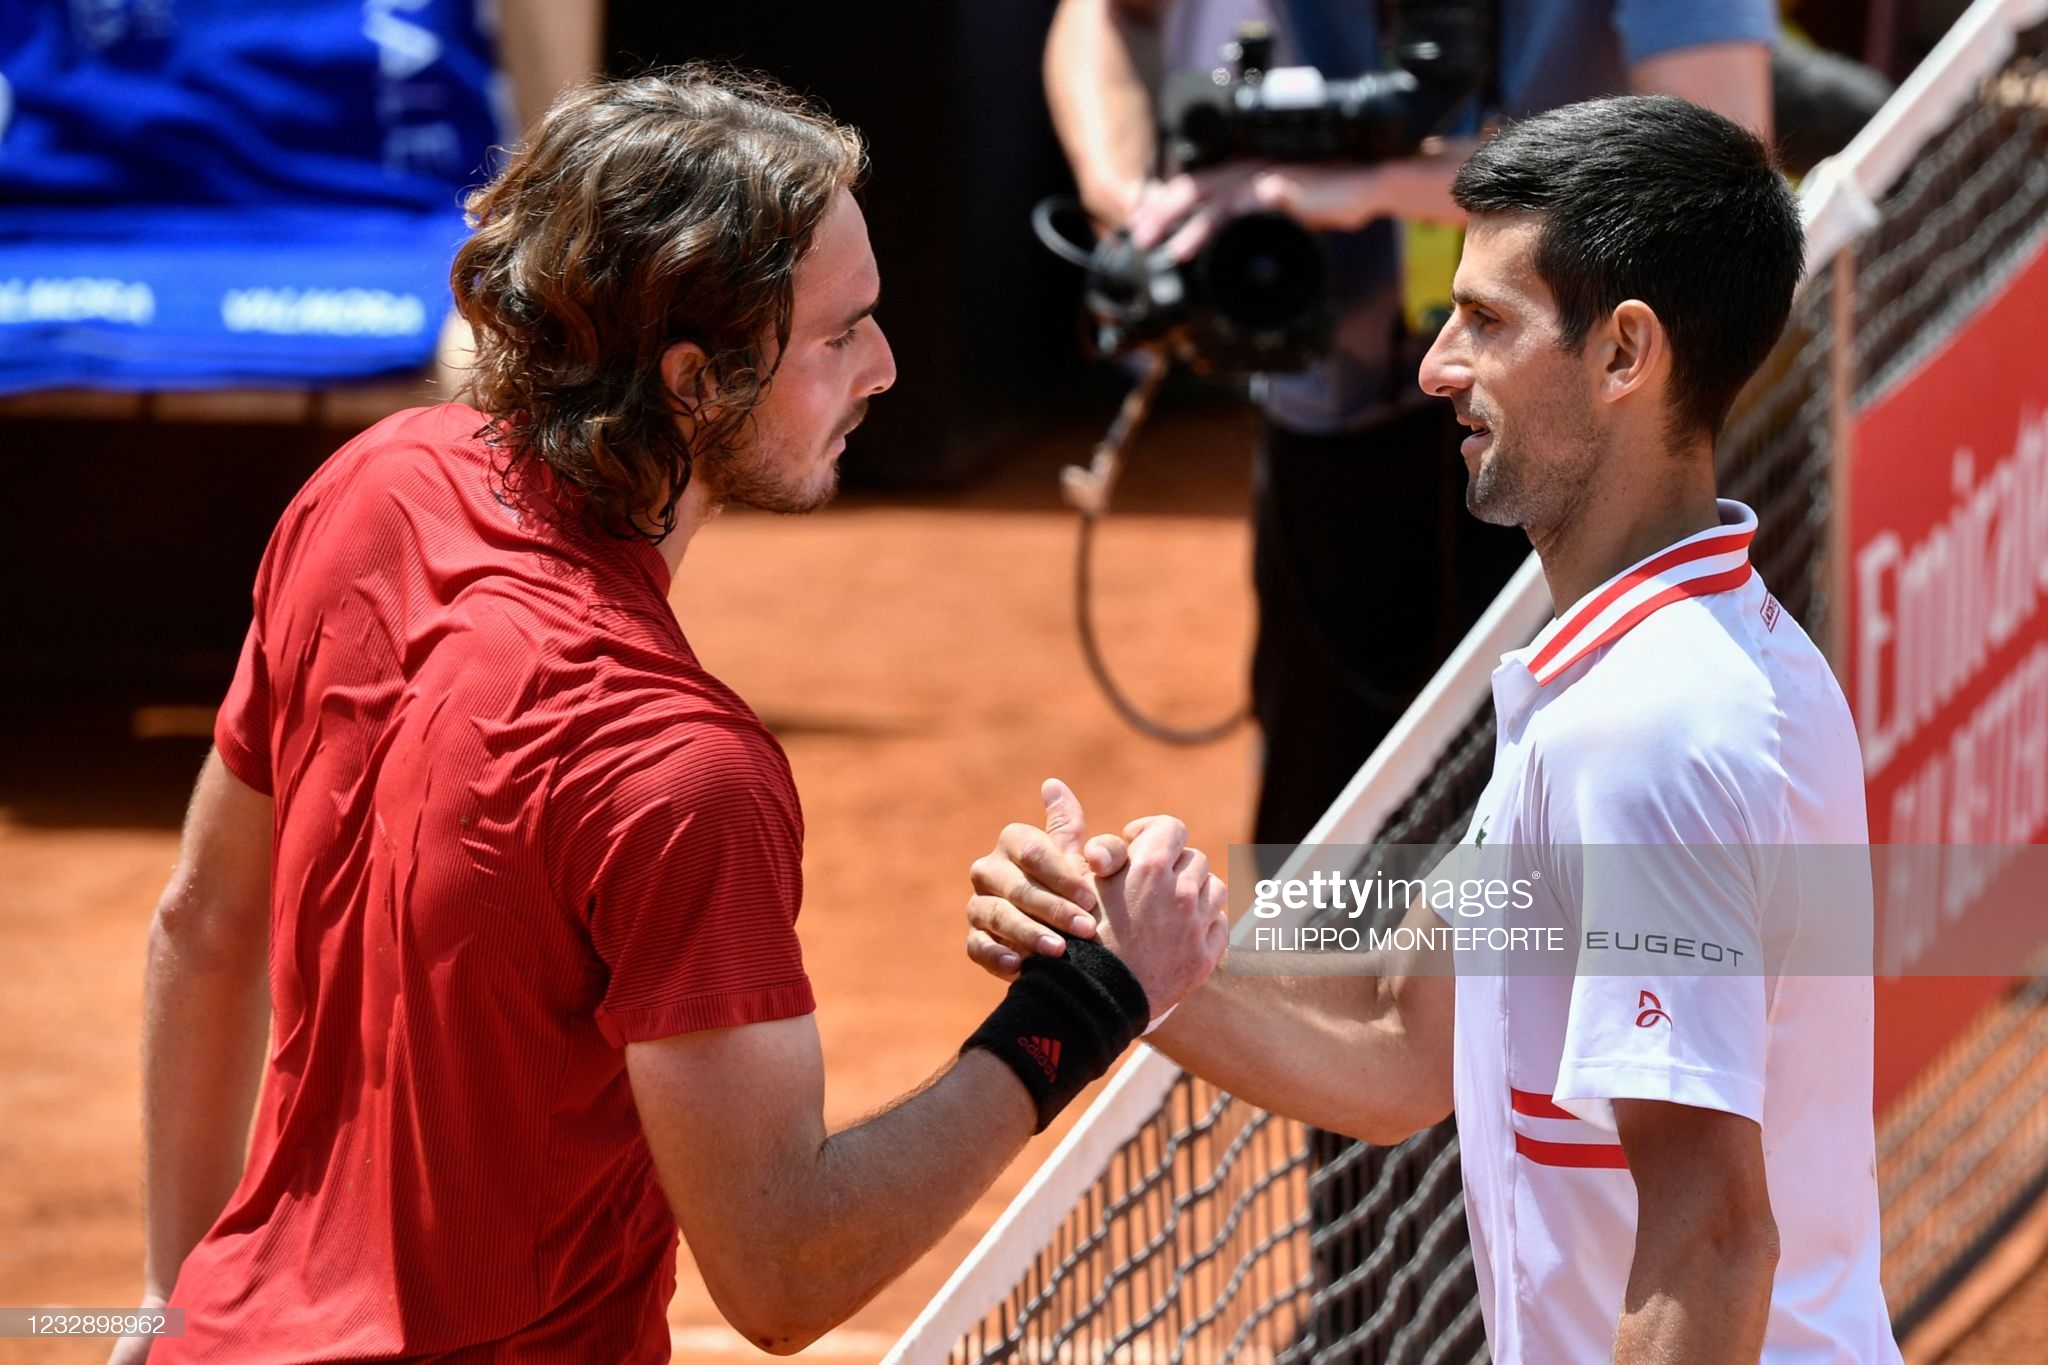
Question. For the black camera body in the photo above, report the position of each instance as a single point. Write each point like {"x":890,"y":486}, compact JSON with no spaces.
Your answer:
{"x":1443,"y":51}
{"x":1255,"y":299}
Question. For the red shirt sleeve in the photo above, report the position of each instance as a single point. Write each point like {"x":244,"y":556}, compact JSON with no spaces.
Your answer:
{"x":687,"y":858}
{"x":241,"y":732}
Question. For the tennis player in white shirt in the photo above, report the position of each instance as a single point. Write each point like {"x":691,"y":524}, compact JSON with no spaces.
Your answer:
{"x":1664,"y":1161}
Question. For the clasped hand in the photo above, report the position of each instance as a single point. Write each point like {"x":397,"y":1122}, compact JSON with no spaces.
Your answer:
{"x":1145,"y":895}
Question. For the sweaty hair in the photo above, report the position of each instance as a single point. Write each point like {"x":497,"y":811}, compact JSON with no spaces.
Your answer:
{"x":667,"y":207}
{"x":1648,"y":197}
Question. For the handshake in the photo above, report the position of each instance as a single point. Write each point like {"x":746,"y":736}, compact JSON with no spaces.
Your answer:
{"x":1145,"y":895}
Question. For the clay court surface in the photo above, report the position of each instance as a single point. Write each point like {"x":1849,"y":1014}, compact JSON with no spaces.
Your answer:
{"x":917,"y":658}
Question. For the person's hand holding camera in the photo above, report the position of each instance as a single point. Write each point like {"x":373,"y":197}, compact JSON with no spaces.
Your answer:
{"x":1322,"y":196}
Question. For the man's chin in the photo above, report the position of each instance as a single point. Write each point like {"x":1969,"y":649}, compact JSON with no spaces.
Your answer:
{"x":1489,"y":512}
{"x":1488,"y":500}
{"x":823,"y":492}
{"x":792,"y":501}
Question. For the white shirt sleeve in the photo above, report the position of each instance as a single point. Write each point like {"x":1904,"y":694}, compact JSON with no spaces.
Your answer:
{"x":1670,"y":997}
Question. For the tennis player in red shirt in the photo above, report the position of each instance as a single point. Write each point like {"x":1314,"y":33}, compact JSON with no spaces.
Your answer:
{"x":508,"y":881}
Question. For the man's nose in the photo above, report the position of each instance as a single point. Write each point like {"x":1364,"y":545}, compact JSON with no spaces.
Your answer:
{"x":1444,"y":371}
{"x":882,"y":377}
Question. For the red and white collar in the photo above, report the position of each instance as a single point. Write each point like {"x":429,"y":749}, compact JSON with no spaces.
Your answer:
{"x":1711,"y":561}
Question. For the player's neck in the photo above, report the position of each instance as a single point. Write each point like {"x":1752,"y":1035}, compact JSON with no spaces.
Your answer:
{"x":1644,"y":507}
{"x":694,"y":510}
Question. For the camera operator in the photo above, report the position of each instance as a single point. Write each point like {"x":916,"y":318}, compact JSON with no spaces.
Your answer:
{"x":1368,"y":570}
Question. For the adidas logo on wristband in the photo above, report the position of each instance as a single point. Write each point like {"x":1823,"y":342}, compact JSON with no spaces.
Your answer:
{"x":1046,"y":1052}
{"x":1064,"y":1020}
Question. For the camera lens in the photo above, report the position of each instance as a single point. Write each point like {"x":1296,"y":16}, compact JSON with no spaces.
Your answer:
{"x":1264,"y":272}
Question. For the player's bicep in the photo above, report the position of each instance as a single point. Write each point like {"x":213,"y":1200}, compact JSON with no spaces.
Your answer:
{"x":220,"y":890}
{"x":1696,"y":1171}
{"x":733,"y":1117}
{"x":1677,"y":1144}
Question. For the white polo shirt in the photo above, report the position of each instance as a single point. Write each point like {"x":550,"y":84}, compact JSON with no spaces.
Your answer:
{"x":1677,"y":705}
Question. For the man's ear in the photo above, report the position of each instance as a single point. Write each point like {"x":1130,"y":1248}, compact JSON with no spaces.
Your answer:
{"x":683,"y":375}
{"x":1633,"y":348}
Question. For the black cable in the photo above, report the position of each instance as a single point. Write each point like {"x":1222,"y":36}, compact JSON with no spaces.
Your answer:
{"x":1091,"y":650}
{"x":1089,"y":490}
{"x":1055,"y":241}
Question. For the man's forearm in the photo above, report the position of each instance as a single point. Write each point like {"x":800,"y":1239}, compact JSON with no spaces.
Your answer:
{"x":793,"y":1229}
{"x":1699,"y":1286}
{"x":1098,"y":84}
{"x":546,"y":46}
{"x":1365,"y":1051}
{"x":1703,"y":1303}
{"x":1334,"y":1051}
{"x":842,"y":1216}
{"x":888,"y":1188}
{"x":1418,"y":188}
{"x":206,"y":1010}
{"x":1732,"y":79}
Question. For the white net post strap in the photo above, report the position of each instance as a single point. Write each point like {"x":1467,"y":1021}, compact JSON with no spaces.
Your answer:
{"x":1840,"y":197}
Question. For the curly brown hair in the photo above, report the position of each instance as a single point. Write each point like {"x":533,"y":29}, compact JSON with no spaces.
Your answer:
{"x":667,"y":207}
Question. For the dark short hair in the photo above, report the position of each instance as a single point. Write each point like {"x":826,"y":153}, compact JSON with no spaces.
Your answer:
{"x":1648,"y":197}
{"x":668,"y":207}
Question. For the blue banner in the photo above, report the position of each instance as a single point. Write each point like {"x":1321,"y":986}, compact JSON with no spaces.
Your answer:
{"x":196,"y":193}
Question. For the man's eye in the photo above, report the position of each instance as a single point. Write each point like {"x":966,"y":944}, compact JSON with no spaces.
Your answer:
{"x":844,"y":339}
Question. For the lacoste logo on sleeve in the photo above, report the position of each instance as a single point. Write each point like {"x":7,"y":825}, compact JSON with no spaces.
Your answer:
{"x":1479,"y":841}
{"x":1651,"y":1011}
{"x":1044,"y":1051}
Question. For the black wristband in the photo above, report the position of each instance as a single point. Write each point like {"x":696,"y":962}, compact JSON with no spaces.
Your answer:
{"x":1064,"y":1021}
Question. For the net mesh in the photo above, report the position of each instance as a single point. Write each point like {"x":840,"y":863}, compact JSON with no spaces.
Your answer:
{"x":1222,"y":1233}
{"x":1965,"y":1152}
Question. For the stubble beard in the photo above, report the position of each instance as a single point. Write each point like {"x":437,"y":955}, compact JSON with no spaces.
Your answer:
{"x":1495,"y":492}
{"x":759,"y":489}
{"x":1510,"y":488}
{"x":753,"y":478}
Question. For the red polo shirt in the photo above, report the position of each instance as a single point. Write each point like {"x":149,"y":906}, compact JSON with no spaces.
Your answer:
{"x":518,"y":826}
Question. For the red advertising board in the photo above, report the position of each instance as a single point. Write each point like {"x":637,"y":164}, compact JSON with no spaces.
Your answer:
{"x":1947,"y":646}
